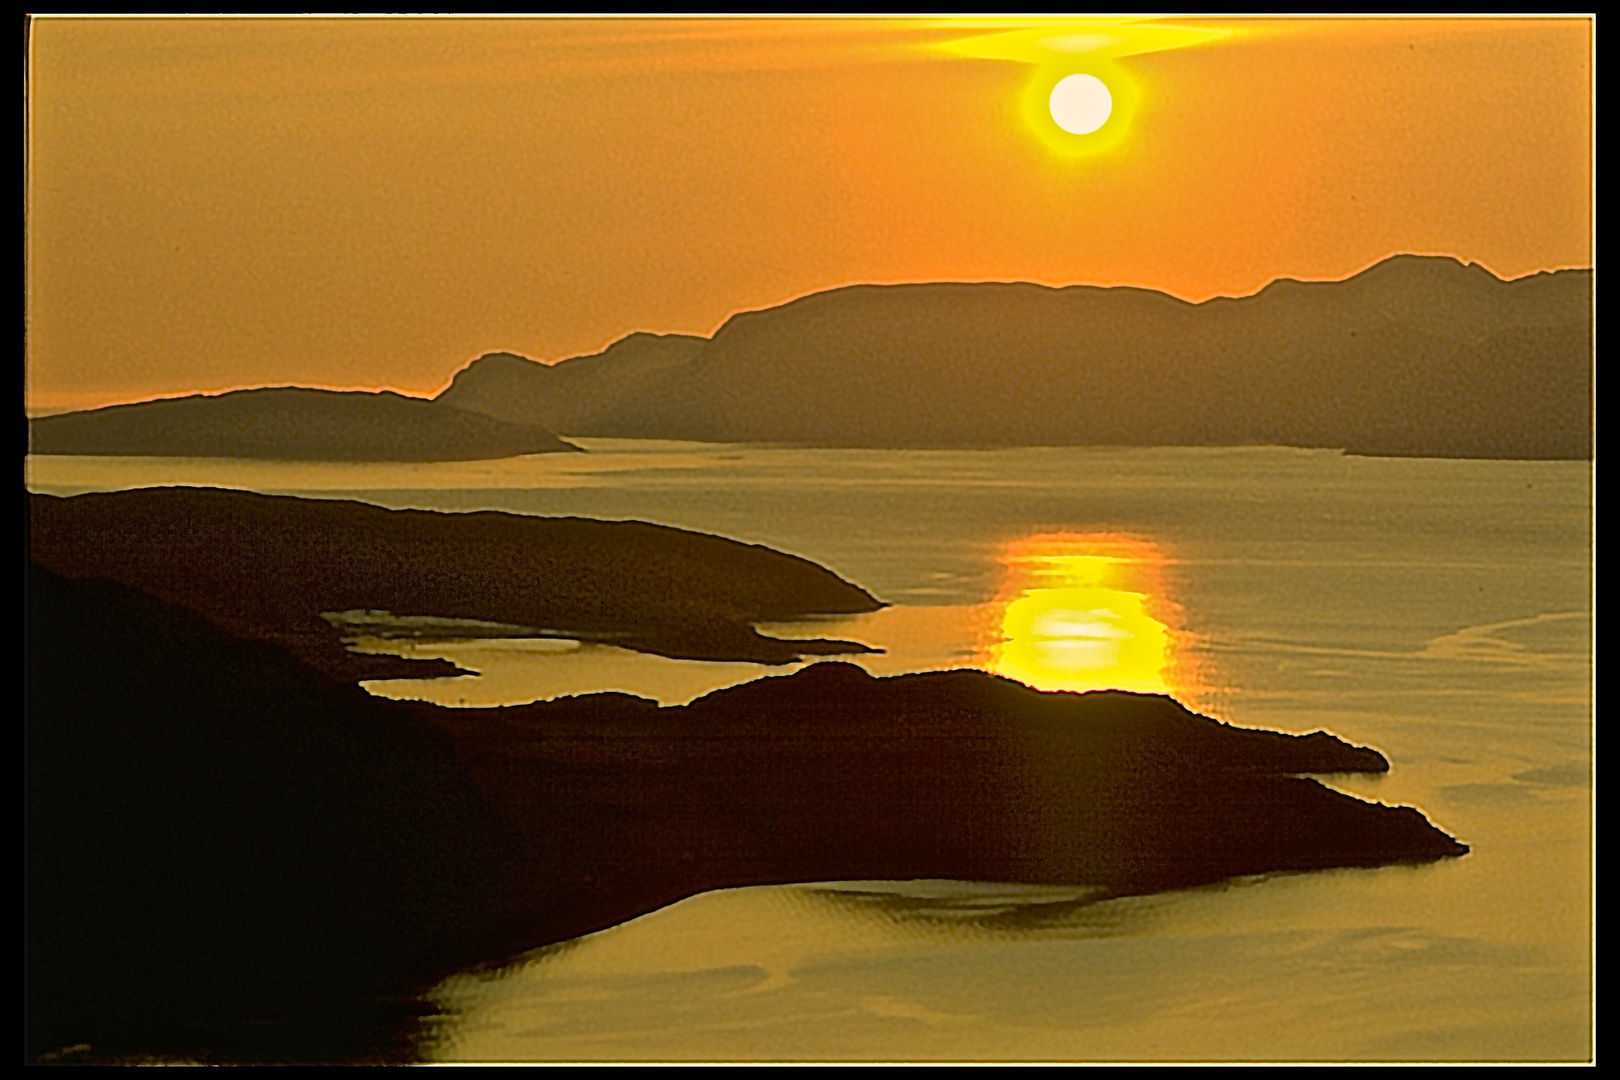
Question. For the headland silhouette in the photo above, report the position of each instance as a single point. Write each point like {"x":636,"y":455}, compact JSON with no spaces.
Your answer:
{"x":279,"y":568}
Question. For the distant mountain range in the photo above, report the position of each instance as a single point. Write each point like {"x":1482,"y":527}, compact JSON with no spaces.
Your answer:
{"x":1419,"y":356}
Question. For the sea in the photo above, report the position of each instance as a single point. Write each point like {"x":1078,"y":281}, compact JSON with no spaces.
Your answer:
{"x":1437,"y":610}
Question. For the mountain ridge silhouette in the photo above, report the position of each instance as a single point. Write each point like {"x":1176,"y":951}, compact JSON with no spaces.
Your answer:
{"x":1416,"y":355}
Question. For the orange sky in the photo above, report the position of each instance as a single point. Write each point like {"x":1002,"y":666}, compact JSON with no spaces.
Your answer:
{"x":373,"y":203}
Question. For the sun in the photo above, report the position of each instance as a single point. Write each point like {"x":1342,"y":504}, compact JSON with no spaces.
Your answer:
{"x":1078,"y":113}
{"x":1080,"y":103}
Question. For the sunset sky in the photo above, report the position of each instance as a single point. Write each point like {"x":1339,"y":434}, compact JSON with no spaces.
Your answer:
{"x":373,"y":203}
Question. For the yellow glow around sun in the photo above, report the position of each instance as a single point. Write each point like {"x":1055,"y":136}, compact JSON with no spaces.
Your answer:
{"x":1063,"y":101}
{"x":1040,"y":112}
{"x":1086,"y":612}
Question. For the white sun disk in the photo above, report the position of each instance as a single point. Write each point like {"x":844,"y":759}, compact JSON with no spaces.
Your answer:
{"x":1080,"y":104}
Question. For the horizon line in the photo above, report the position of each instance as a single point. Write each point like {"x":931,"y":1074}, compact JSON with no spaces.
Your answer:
{"x":40,"y":411}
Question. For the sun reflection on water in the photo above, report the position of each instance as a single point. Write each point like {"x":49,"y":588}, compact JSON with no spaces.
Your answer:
{"x":1088,"y":611}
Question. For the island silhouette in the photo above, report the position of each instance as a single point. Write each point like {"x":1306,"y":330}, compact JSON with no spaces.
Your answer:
{"x":233,"y":851}
{"x":290,"y":423}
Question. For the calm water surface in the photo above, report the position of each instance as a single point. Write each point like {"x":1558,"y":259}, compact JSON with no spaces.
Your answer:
{"x":1437,"y":610}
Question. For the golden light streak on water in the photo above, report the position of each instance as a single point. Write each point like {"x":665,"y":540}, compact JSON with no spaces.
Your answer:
{"x":1088,"y":611}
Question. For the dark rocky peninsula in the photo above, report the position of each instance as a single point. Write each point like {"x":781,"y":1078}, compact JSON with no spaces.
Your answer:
{"x":233,"y":856}
{"x":271,"y":567}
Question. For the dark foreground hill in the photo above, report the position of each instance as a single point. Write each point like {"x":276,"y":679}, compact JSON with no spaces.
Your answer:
{"x":270,"y":567}
{"x":291,"y":424}
{"x":1415,"y":356}
{"x":231,"y":856}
